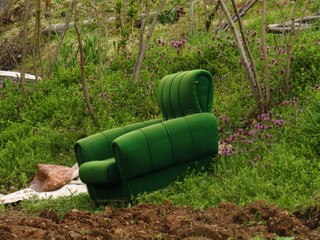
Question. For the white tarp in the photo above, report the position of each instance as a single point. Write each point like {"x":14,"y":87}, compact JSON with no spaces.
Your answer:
{"x":61,"y":181}
{"x":17,"y":76}
{"x":74,"y":187}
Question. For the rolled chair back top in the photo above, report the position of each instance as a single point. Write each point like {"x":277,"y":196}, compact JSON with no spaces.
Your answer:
{"x":186,"y":93}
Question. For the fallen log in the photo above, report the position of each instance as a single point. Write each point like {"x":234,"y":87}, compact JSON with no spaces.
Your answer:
{"x":59,"y":27}
{"x":306,"y":23}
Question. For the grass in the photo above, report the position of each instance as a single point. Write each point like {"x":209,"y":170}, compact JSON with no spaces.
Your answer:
{"x":270,"y":163}
{"x":62,"y":205}
{"x":273,"y":156}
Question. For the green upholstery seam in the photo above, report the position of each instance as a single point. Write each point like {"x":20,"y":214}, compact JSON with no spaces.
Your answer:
{"x":194,"y":146}
{"x":149,"y":146}
{"x":125,"y":129}
{"x":208,"y":95}
{"x":173,"y":156}
{"x":109,"y":143}
{"x":169,"y":93}
{"x":197,"y":93}
{"x":161,"y":97}
{"x":179,"y":93}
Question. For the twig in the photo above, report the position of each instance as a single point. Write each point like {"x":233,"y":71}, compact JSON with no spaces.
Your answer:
{"x":57,"y":50}
{"x":39,"y":36}
{"x":24,"y":46}
{"x":145,"y":43}
{"x":245,"y":42}
{"x":243,"y":10}
{"x":83,"y":74}
{"x":99,"y":51}
{"x":211,"y":16}
{"x":293,"y":37}
{"x":287,"y":69}
{"x":191,"y":15}
{"x":252,"y":81}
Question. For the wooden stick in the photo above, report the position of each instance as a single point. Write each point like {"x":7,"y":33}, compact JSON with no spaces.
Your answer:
{"x":252,"y":81}
{"x":24,"y":45}
{"x":243,"y":10}
{"x":246,"y":46}
{"x":83,"y":74}
{"x":57,"y":50}
{"x":145,"y":45}
{"x":265,"y":54}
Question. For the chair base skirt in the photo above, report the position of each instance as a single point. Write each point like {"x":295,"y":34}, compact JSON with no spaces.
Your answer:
{"x":148,"y":183}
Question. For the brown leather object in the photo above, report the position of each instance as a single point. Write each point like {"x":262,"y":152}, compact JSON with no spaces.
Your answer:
{"x":52,"y":177}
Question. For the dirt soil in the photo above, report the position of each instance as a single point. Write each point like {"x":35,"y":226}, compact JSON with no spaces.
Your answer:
{"x":152,"y":221}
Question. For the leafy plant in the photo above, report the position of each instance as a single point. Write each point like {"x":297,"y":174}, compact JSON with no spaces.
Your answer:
{"x":91,"y":51}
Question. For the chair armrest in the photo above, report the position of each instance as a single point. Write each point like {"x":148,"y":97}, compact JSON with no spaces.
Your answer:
{"x":166,"y":144}
{"x":94,"y":147}
{"x":98,"y":146}
{"x":99,"y":172}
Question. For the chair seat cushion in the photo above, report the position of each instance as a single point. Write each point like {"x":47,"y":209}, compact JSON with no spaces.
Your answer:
{"x":100,"y":172}
{"x":166,"y":144}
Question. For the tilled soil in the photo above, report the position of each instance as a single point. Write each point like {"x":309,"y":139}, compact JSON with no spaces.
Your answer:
{"x":165,"y":221}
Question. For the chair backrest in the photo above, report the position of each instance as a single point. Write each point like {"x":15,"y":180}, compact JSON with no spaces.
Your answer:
{"x":186,"y":93}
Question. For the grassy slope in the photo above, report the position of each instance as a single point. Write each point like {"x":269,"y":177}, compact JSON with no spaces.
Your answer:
{"x":272,"y":157}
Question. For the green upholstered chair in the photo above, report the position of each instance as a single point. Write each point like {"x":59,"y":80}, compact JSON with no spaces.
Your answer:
{"x":147,"y":156}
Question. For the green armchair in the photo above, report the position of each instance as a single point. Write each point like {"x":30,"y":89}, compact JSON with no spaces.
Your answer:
{"x":147,"y":156}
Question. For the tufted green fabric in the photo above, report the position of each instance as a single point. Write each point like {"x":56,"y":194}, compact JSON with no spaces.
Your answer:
{"x":185,"y":93}
{"x":146,"y":156}
{"x":166,"y":144}
{"x":98,"y":146}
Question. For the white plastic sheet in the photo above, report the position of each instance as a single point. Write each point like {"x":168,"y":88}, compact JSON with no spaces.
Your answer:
{"x":74,"y":187}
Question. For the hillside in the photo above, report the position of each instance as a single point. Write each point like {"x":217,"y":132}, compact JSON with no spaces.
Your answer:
{"x":268,"y":161}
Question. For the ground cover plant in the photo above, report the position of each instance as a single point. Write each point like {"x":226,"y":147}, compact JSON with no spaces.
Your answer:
{"x":271,"y":155}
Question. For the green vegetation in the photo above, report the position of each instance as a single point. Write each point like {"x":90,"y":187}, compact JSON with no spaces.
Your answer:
{"x":272,"y":156}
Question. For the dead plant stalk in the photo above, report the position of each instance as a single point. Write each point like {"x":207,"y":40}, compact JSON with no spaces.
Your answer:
{"x":253,"y":82}
{"x":265,"y":54}
{"x":293,"y":37}
{"x":247,"y":49}
{"x":24,"y":46}
{"x":144,"y":42}
{"x":57,"y":50}
{"x":83,"y":74}
{"x":98,"y":17}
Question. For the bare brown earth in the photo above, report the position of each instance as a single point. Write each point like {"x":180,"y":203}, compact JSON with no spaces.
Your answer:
{"x":152,"y":221}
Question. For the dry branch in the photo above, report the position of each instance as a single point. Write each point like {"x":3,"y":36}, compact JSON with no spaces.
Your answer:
{"x":253,"y":81}
{"x":83,"y":74}
{"x":145,"y":42}
{"x":243,"y":10}
{"x":265,"y":54}
{"x":211,"y":16}
{"x":24,"y":44}
{"x":305,"y":23}
{"x":59,"y":27}
{"x":57,"y":50}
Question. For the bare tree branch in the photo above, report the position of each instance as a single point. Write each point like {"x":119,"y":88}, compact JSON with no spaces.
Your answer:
{"x":251,"y":78}
{"x":24,"y":45}
{"x":191,"y":15}
{"x":246,"y":46}
{"x":83,"y":74}
{"x":265,"y":54}
{"x":99,"y":50}
{"x":211,"y":16}
{"x":145,"y":42}
{"x":57,"y":50}
{"x":292,"y":32}
{"x":243,"y":10}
